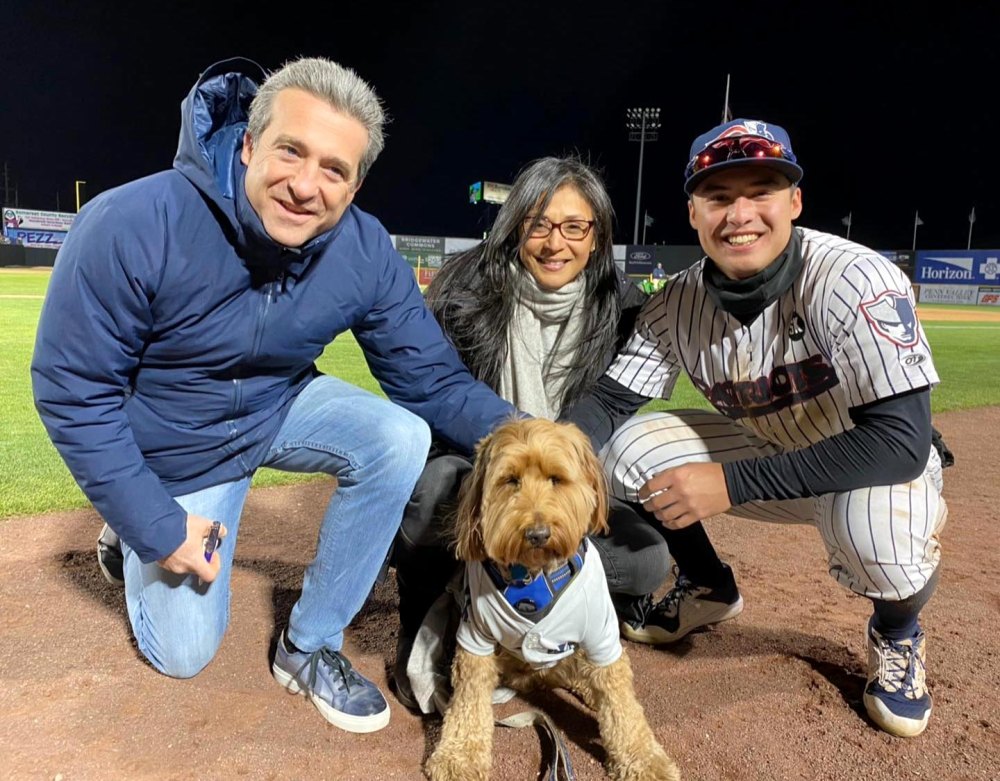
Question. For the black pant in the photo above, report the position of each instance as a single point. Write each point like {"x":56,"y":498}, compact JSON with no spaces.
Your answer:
{"x":634,"y":553}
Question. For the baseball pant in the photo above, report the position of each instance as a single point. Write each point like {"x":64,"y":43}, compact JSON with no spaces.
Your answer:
{"x":882,"y":541}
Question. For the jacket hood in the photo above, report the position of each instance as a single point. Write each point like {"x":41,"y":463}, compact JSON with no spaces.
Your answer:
{"x":213,"y":120}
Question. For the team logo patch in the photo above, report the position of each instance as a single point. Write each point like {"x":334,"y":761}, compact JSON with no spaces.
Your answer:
{"x":796,"y":328}
{"x":891,"y":316}
{"x":748,"y":128}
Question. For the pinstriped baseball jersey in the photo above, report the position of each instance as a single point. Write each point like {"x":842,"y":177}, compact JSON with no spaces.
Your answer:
{"x":843,"y":335}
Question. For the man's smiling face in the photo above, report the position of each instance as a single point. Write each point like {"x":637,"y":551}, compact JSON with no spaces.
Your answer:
{"x":302,"y":173}
{"x":743,"y":216}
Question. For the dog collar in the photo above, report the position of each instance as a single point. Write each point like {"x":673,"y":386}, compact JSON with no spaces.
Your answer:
{"x":531,"y":595}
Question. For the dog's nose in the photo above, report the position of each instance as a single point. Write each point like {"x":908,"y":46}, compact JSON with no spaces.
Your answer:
{"x":537,"y":536}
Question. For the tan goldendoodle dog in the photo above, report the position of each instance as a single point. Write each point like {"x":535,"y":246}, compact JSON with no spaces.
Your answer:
{"x":538,"y":611}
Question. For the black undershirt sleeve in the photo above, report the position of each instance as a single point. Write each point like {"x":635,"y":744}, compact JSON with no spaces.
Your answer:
{"x":603,"y":409}
{"x":889,"y":444}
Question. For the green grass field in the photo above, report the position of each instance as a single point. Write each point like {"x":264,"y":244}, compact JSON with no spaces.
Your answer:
{"x":34,"y":480}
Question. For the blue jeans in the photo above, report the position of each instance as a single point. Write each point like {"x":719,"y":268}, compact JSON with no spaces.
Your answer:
{"x":375,"y":449}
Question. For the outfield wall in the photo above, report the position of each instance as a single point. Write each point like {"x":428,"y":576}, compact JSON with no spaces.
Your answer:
{"x":19,"y":255}
{"x":973,"y":278}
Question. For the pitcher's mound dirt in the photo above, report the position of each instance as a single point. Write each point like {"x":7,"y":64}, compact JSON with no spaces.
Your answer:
{"x":775,"y":694}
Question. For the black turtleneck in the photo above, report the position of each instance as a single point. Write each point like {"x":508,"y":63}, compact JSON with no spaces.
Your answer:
{"x":745,"y":299}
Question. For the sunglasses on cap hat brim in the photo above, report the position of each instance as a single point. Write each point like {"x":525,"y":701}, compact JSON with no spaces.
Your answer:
{"x":726,"y":152}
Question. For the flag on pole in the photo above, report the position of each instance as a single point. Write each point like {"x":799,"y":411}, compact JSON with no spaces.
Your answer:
{"x":972,"y":215}
{"x":648,"y":220}
{"x":916,"y":222}
{"x":846,"y":220}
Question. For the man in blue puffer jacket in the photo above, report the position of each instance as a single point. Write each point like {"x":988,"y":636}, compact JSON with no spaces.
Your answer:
{"x":175,"y":355}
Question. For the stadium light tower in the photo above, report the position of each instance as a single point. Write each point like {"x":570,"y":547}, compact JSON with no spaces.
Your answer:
{"x":643,"y":125}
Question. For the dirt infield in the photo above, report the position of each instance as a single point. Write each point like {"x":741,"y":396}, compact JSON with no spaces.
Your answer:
{"x":970,"y":314}
{"x":775,"y":694}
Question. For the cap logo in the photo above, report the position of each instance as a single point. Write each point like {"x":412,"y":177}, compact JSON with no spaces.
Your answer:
{"x":748,"y":128}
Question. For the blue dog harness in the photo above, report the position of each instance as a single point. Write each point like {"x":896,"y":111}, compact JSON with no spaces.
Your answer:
{"x":530,"y":595}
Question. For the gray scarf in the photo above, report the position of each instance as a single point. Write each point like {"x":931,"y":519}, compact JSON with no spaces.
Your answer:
{"x":542,"y":342}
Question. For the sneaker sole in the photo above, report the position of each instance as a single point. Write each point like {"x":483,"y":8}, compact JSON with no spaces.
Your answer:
{"x":345,"y":721}
{"x":654,"y":635}
{"x":889,"y":722}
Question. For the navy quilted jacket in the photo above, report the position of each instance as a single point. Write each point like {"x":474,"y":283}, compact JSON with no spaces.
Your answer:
{"x":176,"y":334}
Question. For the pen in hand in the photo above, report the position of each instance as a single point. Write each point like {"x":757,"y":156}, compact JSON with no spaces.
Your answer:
{"x":213,"y":541}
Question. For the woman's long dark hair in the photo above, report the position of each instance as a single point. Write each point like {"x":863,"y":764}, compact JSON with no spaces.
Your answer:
{"x":473,"y":295}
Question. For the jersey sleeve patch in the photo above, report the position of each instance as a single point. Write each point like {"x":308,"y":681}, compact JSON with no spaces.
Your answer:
{"x":891,"y":317}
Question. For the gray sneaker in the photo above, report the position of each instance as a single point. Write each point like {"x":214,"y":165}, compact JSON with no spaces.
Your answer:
{"x":110,"y":558}
{"x":343,"y":695}
{"x":686,"y":607}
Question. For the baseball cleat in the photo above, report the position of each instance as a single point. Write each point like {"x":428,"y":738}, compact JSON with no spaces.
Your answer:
{"x":896,"y":697}
{"x":686,"y":607}
{"x":110,"y":558}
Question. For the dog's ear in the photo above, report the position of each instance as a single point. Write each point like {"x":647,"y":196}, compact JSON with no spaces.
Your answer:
{"x":593,"y":473}
{"x":469,"y":544}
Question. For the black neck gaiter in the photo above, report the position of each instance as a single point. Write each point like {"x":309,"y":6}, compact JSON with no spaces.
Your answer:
{"x":745,"y":299}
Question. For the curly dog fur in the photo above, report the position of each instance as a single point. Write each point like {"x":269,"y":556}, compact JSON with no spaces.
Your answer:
{"x":536,"y":490}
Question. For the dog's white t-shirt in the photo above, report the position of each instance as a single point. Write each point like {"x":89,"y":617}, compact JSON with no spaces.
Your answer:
{"x":580,"y":616}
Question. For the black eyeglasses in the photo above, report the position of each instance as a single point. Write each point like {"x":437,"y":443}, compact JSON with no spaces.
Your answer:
{"x":571,"y":230}
{"x":736,"y":148}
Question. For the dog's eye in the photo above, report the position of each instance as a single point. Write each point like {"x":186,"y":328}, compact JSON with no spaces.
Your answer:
{"x":514,"y":481}
{"x":555,"y":480}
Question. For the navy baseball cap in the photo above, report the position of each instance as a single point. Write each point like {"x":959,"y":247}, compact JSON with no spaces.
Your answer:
{"x":740,"y":142}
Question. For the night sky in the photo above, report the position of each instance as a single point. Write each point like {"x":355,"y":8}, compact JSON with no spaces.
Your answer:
{"x":890,"y":111}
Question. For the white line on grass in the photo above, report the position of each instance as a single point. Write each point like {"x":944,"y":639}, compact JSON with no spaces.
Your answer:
{"x":978,"y":327}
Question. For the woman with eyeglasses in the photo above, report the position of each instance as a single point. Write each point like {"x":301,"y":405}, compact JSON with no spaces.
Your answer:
{"x":537,"y":311}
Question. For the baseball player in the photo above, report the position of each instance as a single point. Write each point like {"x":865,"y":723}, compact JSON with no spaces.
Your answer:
{"x":809,"y":349}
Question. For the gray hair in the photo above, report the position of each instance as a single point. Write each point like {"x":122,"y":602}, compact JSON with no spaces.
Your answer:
{"x":341,"y":87}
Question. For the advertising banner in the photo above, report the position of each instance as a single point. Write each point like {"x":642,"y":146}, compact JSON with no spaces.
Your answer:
{"x":494,"y":192}
{"x":35,"y":238}
{"x":421,"y":251}
{"x":989,"y":296}
{"x":948,"y":294}
{"x":660,"y":260}
{"x":957,"y":267}
{"x":453,"y":245}
{"x":30,"y":219}
{"x":31,"y":228}
{"x":903,"y":258}
{"x":638,"y":260}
